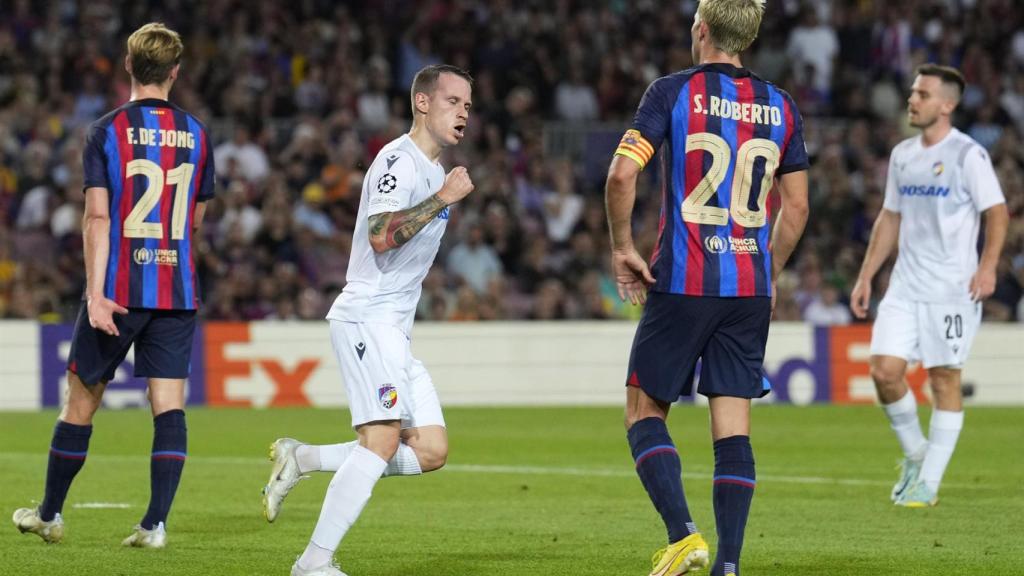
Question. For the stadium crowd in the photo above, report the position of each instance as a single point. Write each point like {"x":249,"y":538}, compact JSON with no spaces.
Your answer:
{"x":301,"y":95}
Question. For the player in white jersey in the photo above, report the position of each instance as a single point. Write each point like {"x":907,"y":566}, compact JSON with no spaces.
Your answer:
{"x":403,"y":213}
{"x":939,"y":184}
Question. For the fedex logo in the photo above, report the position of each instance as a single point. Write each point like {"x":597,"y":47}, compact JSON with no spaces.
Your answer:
{"x":248,"y":367}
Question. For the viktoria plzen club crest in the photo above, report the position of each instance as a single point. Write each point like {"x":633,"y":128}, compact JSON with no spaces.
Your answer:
{"x":388,"y":396}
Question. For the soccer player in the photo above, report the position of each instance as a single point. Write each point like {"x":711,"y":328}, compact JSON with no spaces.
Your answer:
{"x":938,"y":185}
{"x":725,"y":136}
{"x":403,"y":213}
{"x":148,"y":172}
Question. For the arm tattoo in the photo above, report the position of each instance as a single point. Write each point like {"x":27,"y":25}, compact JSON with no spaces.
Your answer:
{"x":397,"y":228}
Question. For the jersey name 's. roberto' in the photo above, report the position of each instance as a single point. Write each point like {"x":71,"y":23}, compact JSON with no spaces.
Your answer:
{"x":742,"y":111}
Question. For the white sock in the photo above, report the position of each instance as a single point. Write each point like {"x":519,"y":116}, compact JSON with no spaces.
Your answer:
{"x":347,"y":494}
{"x":903,"y":419}
{"x":314,"y":557}
{"x":944,"y":430}
{"x":308,"y":458}
{"x":332,"y":456}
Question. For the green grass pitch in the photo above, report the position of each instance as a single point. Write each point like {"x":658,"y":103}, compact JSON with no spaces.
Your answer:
{"x":528,"y":491}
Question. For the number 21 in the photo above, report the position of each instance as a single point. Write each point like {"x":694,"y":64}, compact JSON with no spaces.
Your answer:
{"x":135,"y":225}
{"x":695,"y":208}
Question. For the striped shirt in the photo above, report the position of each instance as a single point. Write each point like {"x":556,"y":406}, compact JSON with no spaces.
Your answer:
{"x":154,"y":160}
{"x":724,"y":134}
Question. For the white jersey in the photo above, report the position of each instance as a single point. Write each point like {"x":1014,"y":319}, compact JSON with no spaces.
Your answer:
{"x":386,"y":287}
{"x":940,"y":192}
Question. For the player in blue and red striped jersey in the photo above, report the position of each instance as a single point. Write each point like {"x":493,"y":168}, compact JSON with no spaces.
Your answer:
{"x":725,"y":137}
{"x":148,"y":172}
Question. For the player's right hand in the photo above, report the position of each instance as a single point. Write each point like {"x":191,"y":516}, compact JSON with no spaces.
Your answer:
{"x":860,"y":298}
{"x":632,"y":276}
{"x":457,"y":185}
{"x":101,"y":314}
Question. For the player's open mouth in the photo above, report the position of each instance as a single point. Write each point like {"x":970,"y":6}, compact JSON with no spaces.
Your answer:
{"x":460,"y":129}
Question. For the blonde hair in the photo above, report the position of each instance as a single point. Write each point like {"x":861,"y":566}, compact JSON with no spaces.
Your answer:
{"x":153,"y":51}
{"x":733,"y":23}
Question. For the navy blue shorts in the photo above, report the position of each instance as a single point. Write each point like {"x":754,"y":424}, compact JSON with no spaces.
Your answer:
{"x":728,"y":335}
{"x":162,"y":339}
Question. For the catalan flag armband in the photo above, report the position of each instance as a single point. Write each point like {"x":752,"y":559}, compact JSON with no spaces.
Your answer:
{"x":634,"y":145}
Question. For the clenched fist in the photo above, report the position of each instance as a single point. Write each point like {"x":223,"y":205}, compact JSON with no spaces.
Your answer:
{"x":457,"y":185}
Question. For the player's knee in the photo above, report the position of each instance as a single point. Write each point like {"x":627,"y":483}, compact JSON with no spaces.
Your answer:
{"x":79,"y":409}
{"x":885,"y":377}
{"x":383,"y":445}
{"x":433,"y":458}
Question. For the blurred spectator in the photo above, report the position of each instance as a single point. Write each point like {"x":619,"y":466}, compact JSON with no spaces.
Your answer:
{"x":473,"y":261}
{"x":812,"y":48}
{"x":241,"y":157}
{"x":826,"y":309}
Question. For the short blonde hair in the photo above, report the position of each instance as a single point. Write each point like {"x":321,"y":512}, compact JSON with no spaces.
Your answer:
{"x":153,"y":51}
{"x":733,"y":23}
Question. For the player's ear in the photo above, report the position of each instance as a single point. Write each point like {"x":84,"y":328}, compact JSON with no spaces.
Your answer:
{"x":422,"y":102}
{"x":128,"y":64}
{"x":174,"y":73}
{"x":702,"y":31}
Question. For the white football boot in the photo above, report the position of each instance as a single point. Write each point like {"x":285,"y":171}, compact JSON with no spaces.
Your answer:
{"x":28,"y":520}
{"x":283,"y":476}
{"x":142,"y":538}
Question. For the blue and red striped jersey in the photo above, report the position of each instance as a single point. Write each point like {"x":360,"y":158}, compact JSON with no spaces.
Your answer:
{"x":724,"y":134}
{"x":155,"y":161}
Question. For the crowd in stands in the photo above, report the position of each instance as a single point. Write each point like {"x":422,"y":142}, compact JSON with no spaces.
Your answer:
{"x":300,"y":96}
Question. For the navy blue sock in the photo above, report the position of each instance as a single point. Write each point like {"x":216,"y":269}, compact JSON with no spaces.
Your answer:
{"x":170,"y":442}
{"x":657,"y":463}
{"x":733,"y":490}
{"x":67,"y":456}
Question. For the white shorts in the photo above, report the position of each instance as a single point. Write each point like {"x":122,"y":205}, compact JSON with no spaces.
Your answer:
{"x":382,"y":379}
{"x":937,"y":335}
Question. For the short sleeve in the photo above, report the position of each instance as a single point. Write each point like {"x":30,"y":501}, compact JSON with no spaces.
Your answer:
{"x":979,"y":178}
{"x":891,"y":201}
{"x":391,"y":181}
{"x":650,"y":124}
{"x":207,"y":180}
{"x":794,"y":158}
{"x":94,"y":158}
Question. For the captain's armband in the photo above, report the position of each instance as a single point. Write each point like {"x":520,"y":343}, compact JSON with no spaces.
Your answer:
{"x":633,"y":145}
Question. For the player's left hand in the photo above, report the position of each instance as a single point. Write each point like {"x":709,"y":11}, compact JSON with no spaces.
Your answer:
{"x":983,"y":284}
{"x":632,"y":276}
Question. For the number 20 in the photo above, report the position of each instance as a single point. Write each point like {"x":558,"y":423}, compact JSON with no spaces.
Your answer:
{"x":135,"y":225}
{"x":695,"y":208}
